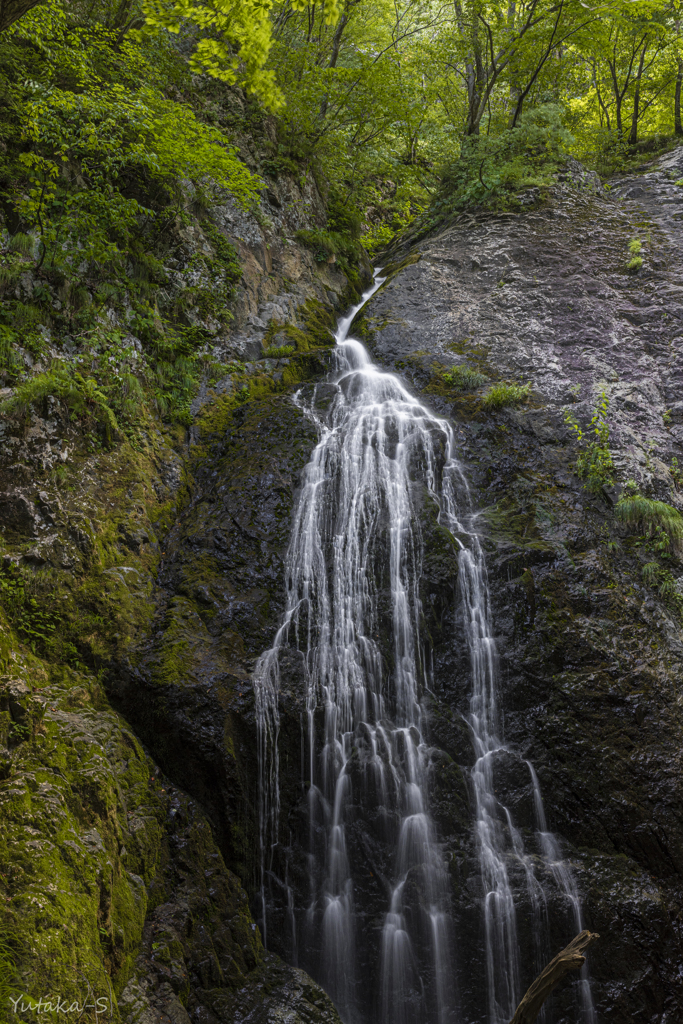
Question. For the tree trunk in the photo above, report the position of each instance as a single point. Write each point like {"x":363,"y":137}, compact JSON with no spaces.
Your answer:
{"x":570,"y":959}
{"x":678,"y":128}
{"x":336,"y":45}
{"x":620,"y":127}
{"x":12,"y":10}
{"x":633,"y":137}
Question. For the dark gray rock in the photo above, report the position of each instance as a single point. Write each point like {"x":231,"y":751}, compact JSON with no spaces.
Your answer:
{"x":591,"y":657}
{"x":590,"y":654}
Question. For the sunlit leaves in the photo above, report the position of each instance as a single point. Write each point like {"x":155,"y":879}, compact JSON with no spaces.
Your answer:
{"x":233,"y":38}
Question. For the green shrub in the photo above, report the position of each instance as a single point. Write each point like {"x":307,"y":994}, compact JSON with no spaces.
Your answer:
{"x":655,"y":519}
{"x":504,"y":394}
{"x":342,"y":217}
{"x":81,"y":396}
{"x":279,"y":353}
{"x":490,"y":169}
{"x":326,"y":244}
{"x":594,"y":464}
{"x":463,"y":378}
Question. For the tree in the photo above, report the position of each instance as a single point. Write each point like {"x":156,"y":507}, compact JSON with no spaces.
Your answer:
{"x":233,"y":38}
{"x":12,"y":10}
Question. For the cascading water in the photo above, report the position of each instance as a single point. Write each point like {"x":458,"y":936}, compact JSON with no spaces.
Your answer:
{"x":353,"y":572}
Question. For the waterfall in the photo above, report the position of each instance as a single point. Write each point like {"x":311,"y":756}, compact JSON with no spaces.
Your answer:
{"x":352,"y":580}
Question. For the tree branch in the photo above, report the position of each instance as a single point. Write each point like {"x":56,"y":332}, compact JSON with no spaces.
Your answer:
{"x":12,"y":10}
{"x":570,"y":959}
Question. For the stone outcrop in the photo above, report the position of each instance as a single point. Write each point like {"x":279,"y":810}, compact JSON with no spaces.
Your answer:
{"x":170,"y":564}
{"x":113,"y":883}
{"x":590,"y":652}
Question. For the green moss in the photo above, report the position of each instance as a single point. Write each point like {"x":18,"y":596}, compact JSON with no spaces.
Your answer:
{"x":317,"y":330}
{"x":216,"y":416}
{"x":516,"y":520}
{"x":185,"y":637}
{"x":79,"y":835}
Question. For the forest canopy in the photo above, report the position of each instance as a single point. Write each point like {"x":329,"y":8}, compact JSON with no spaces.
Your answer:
{"x":396,"y":103}
{"x":120,"y":119}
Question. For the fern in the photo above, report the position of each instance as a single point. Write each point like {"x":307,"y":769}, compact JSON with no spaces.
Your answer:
{"x":82,"y":396}
{"x":653,"y":518}
{"x":8,"y":976}
{"x":278,"y":352}
{"x":650,"y":573}
{"x":501,"y":395}
{"x":463,"y":378}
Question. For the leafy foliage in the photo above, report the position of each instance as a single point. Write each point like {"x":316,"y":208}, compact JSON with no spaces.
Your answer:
{"x":463,"y":378}
{"x":594,"y":464}
{"x":234,"y":39}
{"x":500,"y":395}
{"x":491,"y":169}
{"x":662,"y":579}
{"x":81,"y":396}
{"x":327,"y":246}
{"x":655,"y":519}
{"x":103,"y":154}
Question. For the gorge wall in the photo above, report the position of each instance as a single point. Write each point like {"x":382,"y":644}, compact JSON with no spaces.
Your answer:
{"x":129,"y":777}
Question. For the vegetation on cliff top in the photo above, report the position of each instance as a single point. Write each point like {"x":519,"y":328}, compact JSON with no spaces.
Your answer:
{"x":110,"y":115}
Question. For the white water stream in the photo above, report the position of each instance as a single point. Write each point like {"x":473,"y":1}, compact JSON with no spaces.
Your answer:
{"x":353,"y":575}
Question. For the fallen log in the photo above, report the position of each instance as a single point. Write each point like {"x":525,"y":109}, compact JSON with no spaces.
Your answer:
{"x":570,"y":959}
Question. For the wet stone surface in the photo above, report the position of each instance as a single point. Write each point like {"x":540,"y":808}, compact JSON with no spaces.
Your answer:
{"x":590,"y":654}
{"x":590,"y":657}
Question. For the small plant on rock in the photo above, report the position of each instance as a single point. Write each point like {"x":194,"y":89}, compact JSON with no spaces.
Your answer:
{"x":463,"y":378}
{"x":664,"y":582}
{"x":635,"y":247}
{"x":500,"y":395}
{"x":594,"y":463}
{"x":656,"y":520}
{"x":278,"y":352}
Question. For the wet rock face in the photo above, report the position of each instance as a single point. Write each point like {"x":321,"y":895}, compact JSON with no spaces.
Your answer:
{"x":590,"y":655}
{"x":116,"y":874}
{"x":222,"y":588}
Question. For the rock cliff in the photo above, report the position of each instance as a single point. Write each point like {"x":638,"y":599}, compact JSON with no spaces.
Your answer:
{"x":590,"y":643}
{"x":142,"y":585}
{"x":114,"y":884}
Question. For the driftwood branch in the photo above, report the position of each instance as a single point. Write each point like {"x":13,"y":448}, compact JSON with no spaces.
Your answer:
{"x":570,"y":959}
